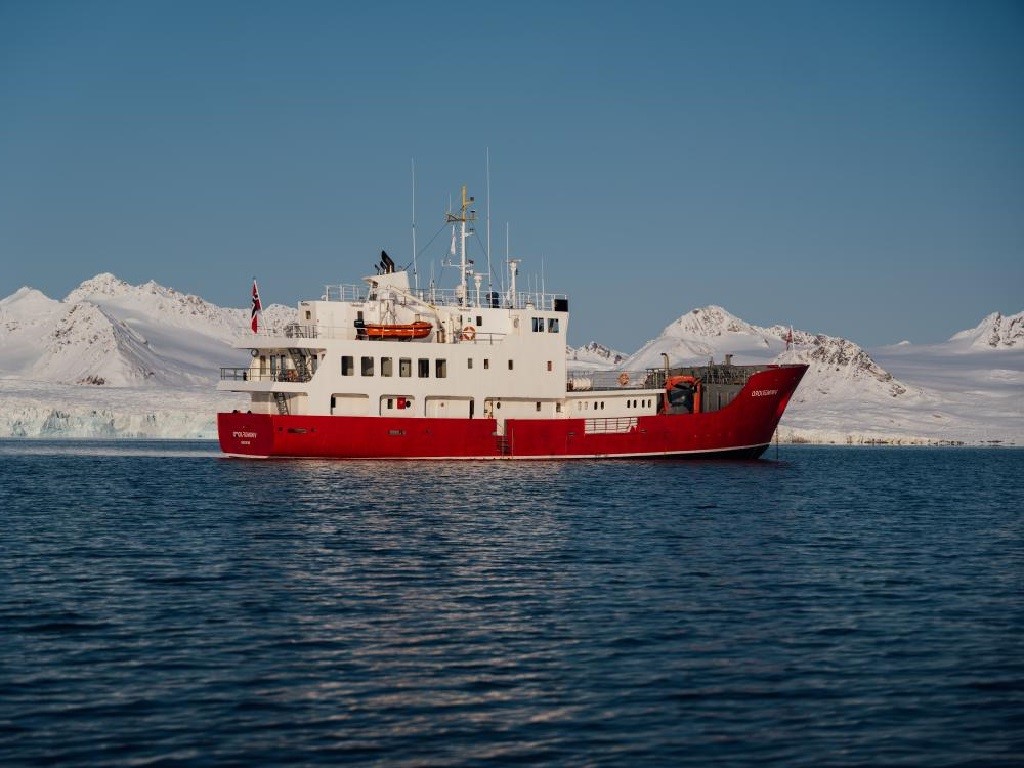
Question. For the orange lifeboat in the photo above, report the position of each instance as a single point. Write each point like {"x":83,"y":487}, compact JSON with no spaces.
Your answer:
{"x":401,"y":332}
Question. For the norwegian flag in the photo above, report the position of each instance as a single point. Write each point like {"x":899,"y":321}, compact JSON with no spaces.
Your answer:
{"x":256,"y":307}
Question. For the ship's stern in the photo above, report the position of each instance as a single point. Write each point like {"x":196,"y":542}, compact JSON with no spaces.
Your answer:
{"x":248,"y":435}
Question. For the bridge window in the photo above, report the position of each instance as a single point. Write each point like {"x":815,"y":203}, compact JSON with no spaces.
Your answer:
{"x":440,"y":368}
{"x":348,"y":367}
{"x":552,"y":325}
{"x":386,"y":366}
{"x":423,"y":366}
{"x":537,"y":324}
{"x":365,"y":366}
{"x":405,"y":367}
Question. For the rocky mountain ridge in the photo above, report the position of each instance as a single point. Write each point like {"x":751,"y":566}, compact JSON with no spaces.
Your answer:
{"x":708,"y":332}
{"x":997,"y":331}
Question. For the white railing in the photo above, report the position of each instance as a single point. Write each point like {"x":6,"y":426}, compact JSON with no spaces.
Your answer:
{"x":610,"y":425}
{"x":448,"y":297}
{"x":589,"y":381}
{"x":247,"y":374}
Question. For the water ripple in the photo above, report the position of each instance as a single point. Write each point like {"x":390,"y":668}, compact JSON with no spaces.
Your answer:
{"x":842,"y":606}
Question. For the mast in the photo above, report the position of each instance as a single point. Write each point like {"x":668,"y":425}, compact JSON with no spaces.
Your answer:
{"x":513,"y":270}
{"x":462,"y":218}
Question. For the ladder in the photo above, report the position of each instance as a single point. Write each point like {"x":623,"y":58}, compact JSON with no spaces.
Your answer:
{"x":299,"y":361}
{"x":282,"y":403}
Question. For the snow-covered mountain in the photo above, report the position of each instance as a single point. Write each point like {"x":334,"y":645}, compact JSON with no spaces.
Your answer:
{"x":706,"y":333}
{"x":594,"y":356}
{"x":970,"y":388}
{"x":107,"y":332}
{"x":995,"y":332}
{"x":113,"y":359}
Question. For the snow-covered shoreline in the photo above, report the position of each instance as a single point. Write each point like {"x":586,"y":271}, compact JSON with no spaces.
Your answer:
{"x":33,"y":409}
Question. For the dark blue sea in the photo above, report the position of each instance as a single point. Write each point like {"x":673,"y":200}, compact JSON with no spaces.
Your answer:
{"x":163,"y":606}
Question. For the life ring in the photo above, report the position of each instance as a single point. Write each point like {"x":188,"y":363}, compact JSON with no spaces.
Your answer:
{"x":469,"y":333}
{"x":623,"y":379}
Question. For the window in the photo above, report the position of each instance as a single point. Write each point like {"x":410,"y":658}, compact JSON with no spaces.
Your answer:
{"x":510,"y":365}
{"x":365,"y":366}
{"x":309,"y":315}
{"x":469,"y":363}
{"x":549,"y":365}
{"x":479,"y":321}
{"x":487,"y":364}
{"x":386,"y":366}
{"x":440,"y":368}
{"x":348,"y":367}
{"x":423,"y":367}
{"x":537,"y":324}
{"x":552,"y":325}
{"x":405,"y":367}
{"x":538,"y":406}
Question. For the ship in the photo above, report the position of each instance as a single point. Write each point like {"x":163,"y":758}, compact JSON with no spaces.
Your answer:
{"x":386,"y":370}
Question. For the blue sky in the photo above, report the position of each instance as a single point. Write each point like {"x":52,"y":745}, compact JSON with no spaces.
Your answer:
{"x":852,"y":168}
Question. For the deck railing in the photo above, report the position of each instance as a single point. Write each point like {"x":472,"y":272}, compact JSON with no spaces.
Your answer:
{"x":295,"y":331}
{"x":590,"y":381}
{"x":449,"y":297}
{"x":247,"y":374}
{"x":610,"y":425}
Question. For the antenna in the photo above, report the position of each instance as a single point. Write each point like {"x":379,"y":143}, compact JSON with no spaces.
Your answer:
{"x":415,"y":272}
{"x":488,"y":219}
{"x":505,"y":271}
{"x":543,"y":285}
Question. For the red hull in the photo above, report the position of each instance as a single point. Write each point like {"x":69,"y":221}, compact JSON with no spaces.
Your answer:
{"x":742,"y":428}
